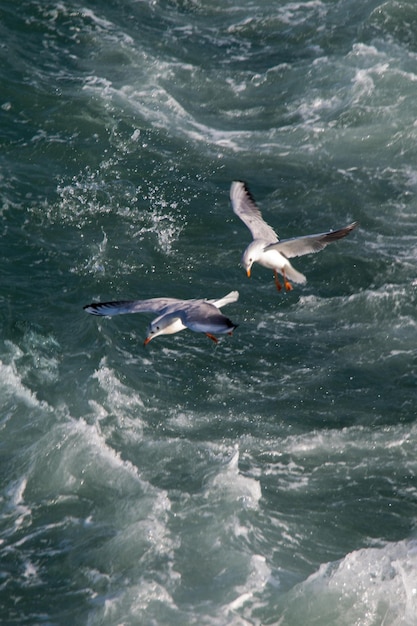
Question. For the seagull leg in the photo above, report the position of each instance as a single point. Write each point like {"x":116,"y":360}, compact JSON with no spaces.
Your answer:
{"x":287,"y":283}
{"x":212,"y":337}
{"x":277,"y":283}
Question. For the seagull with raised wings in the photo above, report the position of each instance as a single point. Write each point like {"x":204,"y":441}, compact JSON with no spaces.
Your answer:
{"x":266,"y":248}
{"x":174,"y":315}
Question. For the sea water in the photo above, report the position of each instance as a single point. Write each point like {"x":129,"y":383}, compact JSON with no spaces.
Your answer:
{"x":266,"y":480}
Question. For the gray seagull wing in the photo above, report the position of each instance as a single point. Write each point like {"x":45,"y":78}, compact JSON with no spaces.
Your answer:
{"x":119,"y":307}
{"x":244,"y":206}
{"x":201,"y":316}
{"x":298,"y":246}
{"x":233,"y":296}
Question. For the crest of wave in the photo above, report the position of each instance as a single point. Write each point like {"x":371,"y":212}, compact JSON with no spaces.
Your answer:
{"x":369,"y":586}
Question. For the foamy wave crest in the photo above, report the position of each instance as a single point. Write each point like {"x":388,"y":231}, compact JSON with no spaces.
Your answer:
{"x":119,"y":401}
{"x":12,"y":386}
{"x":230,"y":483}
{"x":147,"y":602}
{"x":369,"y":586}
{"x":243,"y":608}
{"x":76,"y":457}
{"x":36,"y":358}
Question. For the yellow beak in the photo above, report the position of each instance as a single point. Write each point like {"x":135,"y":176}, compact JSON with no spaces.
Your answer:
{"x":248,"y":272}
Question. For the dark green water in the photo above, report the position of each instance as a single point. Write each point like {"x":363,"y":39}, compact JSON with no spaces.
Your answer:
{"x":269,"y":479}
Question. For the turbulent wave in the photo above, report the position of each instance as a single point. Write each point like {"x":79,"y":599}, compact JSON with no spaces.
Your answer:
{"x":359,"y":589}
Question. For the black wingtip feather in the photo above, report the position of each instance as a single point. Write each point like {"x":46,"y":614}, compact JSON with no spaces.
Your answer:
{"x":92,"y":308}
{"x":96,"y":308}
{"x":247,"y":190}
{"x":341,"y":232}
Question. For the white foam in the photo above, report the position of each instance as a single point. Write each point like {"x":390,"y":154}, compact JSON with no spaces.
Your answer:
{"x":369,"y":586}
{"x":246,"y":601}
{"x":119,"y":396}
{"x":312,"y":111}
{"x":231,"y":483}
{"x":294,"y":13}
{"x":15,"y":503}
{"x":123,"y":404}
{"x":31,"y":573}
{"x":161,"y":109}
{"x":99,"y":21}
{"x":11,"y":386}
{"x":137,"y":602}
{"x":74,"y":457}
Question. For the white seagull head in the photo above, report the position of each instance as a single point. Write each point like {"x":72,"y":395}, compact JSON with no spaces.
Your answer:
{"x":164,"y":325}
{"x":252,"y":254}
